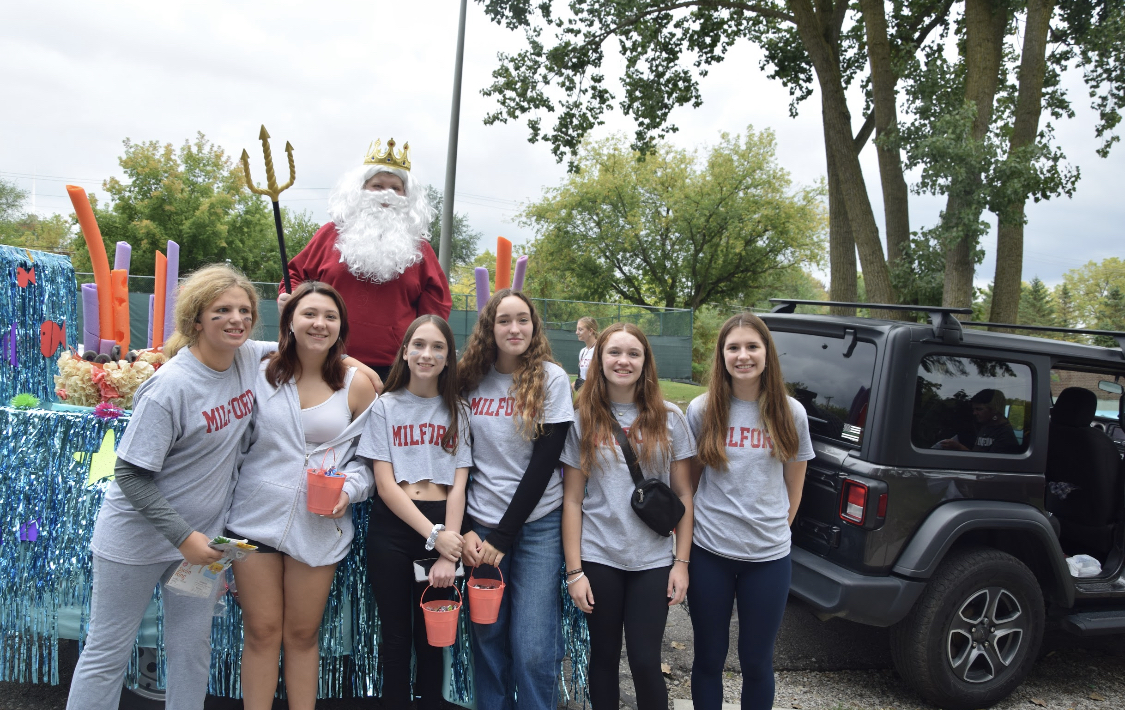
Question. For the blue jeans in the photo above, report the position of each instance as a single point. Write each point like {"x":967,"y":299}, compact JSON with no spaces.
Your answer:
{"x":524,"y":648}
{"x":761,"y":589}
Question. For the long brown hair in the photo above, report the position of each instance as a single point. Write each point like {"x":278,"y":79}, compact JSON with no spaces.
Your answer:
{"x":529,"y":381}
{"x":284,"y":363}
{"x":773,"y":400}
{"x":448,"y":382}
{"x":596,"y":421}
{"x":199,"y":291}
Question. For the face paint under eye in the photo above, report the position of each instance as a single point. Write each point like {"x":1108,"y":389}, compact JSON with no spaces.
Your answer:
{"x":414,"y":353}
{"x":439,"y":356}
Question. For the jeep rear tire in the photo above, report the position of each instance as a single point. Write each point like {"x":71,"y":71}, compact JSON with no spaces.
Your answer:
{"x":974,"y":634}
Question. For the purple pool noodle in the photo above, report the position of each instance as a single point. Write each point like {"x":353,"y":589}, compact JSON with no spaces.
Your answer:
{"x":481,"y":273}
{"x":122,"y":255}
{"x":90,"y":323}
{"x":106,"y":346}
{"x":521,"y":269}
{"x":171,"y":282}
{"x":151,"y":303}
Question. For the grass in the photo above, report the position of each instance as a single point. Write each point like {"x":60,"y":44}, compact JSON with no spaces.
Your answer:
{"x":677,"y":392}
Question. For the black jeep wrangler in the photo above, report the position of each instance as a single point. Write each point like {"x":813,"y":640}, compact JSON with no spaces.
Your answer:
{"x":956,"y":470}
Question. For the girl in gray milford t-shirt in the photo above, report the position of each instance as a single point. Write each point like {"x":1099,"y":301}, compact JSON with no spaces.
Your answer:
{"x":620,"y":572}
{"x":520,"y":412}
{"x":418,"y":441}
{"x":753,"y":442}
{"x":312,"y":407}
{"x":174,"y":473}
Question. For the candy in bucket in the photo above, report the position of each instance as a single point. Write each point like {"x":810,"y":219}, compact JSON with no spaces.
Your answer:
{"x":324,"y":486}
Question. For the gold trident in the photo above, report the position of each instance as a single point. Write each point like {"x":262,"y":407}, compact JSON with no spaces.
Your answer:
{"x":273,"y":191}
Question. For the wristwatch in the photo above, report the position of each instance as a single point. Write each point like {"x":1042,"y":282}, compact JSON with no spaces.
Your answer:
{"x":431,"y":541}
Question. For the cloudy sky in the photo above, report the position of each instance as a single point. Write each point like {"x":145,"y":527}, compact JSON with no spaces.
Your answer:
{"x":330,"y":77}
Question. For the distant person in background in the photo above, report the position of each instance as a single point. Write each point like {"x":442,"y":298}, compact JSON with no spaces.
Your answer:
{"x":587,"y":332}
{"x":375,"y":252}
{"x":994,"y":433}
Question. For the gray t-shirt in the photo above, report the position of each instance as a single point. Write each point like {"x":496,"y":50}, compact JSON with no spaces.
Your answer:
{"x":406,"y":430}
{"x":742,"y":512}
{"x":500,"y":452}
{"x":612,"y":533}
{"x":187,"y":425}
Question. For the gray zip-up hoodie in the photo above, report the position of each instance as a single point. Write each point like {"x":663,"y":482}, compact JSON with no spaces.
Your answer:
{"x":270,"y":496}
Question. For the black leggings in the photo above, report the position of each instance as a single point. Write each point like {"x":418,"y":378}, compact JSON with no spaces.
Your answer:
{"x":392,"y":547}
{"x":637,"y":602}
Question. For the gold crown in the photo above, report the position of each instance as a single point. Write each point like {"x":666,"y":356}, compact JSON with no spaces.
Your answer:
{"x":376,"y":157}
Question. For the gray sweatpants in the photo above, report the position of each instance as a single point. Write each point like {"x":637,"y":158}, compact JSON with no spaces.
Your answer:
{"x":120,"y":596}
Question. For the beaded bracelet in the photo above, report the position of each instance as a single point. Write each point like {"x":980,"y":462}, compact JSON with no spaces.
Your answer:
{"x":581,"y":574}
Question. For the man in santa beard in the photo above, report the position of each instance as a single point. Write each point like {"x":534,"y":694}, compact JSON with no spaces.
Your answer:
{"x":376,"y":253}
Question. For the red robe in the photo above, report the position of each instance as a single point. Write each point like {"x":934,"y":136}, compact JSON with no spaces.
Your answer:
{"x":378,"y":314}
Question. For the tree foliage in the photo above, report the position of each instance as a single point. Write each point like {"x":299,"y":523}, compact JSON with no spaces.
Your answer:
{"x":24,"y":229}
{"x":463,"y":241}
{"x":674,"y":228}
{"x":197,"y":197}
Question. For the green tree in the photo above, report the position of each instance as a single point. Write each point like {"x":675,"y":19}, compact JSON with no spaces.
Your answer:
{"x":1036,"y":305}
{"x":463,"y":241}
{"x":23,"y":229}
{"x":1092,"y":284}
{"x":1064,"y":306}
{"x":195,"y":196}
{"x":1111,"y":316}
{"x":675,"y":229}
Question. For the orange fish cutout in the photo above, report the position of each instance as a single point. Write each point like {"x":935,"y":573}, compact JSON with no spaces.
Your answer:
{"x":51,"y":336}
{"x":23,"y":278}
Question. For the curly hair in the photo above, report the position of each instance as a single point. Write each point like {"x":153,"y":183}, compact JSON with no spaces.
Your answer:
{"x":773,"y":400}
{"x":197,"y":292}
{"x":595,"y":419}
{"x":529,"y":381}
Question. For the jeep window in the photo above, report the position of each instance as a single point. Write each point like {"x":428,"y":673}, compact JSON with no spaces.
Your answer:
{"x":972,"y":404}
{"x":831,"y":378}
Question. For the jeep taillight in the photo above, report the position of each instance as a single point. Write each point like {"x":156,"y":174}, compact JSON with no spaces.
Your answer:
{"x":853,"y":501}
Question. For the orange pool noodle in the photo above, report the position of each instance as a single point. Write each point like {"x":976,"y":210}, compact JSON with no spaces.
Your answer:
{"x":98,"y":260}
{"x":158,"y":300}
{"x":503,"y":263}
{"x":120,"y":280}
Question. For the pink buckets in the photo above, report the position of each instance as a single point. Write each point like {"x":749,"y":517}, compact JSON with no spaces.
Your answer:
{"x":485,"y":595}
{"x":324,"y":486}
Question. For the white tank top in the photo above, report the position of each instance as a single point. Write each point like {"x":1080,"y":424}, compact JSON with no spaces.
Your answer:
{"x":325,"y":421}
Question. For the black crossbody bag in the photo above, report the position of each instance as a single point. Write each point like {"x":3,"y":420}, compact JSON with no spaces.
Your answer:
{"x":654,"y":502}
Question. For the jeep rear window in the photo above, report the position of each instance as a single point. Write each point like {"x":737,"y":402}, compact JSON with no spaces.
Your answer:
{"x":971,"y":405}
{"x":834,"y":389}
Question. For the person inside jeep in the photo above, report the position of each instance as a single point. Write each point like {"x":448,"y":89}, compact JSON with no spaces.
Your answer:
{"x":994,"y":433}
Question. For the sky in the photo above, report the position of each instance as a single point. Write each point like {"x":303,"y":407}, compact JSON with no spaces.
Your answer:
{"x":79,"y":78}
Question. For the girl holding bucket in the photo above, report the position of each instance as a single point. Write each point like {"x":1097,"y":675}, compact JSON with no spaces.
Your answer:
{"x":753,"y":447}
{"x":521,"y":410}
{"x":620,"y":572}
{"x":312,"y":408}
{"x":169,"y":498}
{"x":417,"y":440}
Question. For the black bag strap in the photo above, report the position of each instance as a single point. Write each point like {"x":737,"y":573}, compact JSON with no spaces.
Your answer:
{"x":627,"y":451}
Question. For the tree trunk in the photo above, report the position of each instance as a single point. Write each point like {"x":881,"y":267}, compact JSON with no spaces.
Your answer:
{"x":896,"y":205}
{"x":841,"y":150}
{"x":1029,"y":106}
{"x":985,"y":24}
{"x":841,"y":248}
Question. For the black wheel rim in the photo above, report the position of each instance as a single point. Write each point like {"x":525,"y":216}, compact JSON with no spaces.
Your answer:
{"x":986,"y":635}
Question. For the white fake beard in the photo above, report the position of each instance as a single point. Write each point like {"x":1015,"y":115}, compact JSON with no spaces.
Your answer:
{"x":378,"y":243}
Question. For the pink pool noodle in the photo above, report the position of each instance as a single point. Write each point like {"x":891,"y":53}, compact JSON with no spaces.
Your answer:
{"x":521,"y":269}
{"x":481,"y":274}
{"x":170,"y":284}
{"x":90,"y":339}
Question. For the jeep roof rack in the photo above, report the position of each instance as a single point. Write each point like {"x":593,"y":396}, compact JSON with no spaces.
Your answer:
{"x":946,"y":327}
{"x":1116,"y":335}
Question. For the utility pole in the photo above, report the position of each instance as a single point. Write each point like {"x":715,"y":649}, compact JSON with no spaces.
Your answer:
{"x":446,"y":244}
